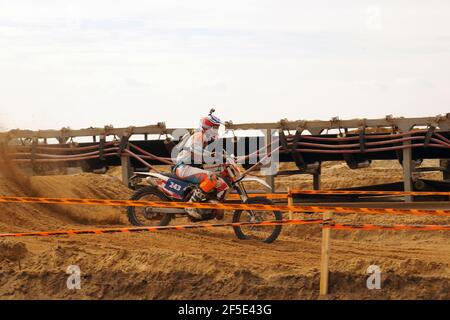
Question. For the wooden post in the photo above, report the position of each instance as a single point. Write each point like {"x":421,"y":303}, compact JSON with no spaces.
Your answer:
{"x":407,"y":169}
{"x":324,"y":259}
{"x":270,"y":179}
{"x":125,"y":160}
{"x":445,"y":163}
{"x":316,"y":180}
{"x":34,"y":143}
{"x":126,"y":169}
{"x":290,"y":203}
{"x":62,"y":140}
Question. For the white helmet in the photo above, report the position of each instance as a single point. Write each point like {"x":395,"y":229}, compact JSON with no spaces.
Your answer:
{"x":210,"y":125}
{"x":210,"y":121}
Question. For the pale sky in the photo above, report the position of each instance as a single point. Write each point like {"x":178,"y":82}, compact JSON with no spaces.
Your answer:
{"x":99,"y":62}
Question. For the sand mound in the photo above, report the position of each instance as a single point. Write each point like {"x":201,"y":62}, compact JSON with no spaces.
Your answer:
{"x":85,"y":185}
{"x":337,"y":175}
{"x":21,"y":217}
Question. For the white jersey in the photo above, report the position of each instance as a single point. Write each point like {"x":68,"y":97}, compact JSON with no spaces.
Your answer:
{"x":195,"y":143}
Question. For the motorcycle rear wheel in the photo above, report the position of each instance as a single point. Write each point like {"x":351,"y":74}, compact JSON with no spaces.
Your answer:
{"x":136,"y":215}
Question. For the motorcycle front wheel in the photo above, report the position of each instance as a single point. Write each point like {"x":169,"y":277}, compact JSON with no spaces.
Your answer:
{"x":267,"y":234}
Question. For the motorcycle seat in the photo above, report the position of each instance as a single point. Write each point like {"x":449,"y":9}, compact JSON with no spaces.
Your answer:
{"x":175,"y":177}
{"x":171,"y":176}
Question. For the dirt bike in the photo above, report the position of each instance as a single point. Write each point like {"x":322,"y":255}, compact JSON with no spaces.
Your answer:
{"x":168,"y":187}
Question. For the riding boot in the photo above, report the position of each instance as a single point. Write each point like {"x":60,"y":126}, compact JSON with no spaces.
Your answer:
{"x":197,"y":196}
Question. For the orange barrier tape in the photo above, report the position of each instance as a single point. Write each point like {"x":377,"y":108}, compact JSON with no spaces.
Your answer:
{"x":224,"y":206}
{"x":338,"y":226}
{"x":264,"y":195}
{"x":357,"y":192}
{"x":158,"y":228}
{"x":231,"y":224}
{"x":341,"y":192}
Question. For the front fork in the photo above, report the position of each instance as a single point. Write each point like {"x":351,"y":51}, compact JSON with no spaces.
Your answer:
{"x":244,"y":197}
{"x":239,"y":187}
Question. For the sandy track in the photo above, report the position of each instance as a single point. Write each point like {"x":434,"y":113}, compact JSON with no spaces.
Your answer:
{"x":205,"y":263}
{"x":214,"y":264}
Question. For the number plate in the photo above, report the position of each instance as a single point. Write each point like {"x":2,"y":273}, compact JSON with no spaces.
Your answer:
{"x":176,"y":186}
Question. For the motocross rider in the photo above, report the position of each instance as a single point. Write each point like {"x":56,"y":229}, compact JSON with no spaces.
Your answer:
{"x":187,"y":169}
